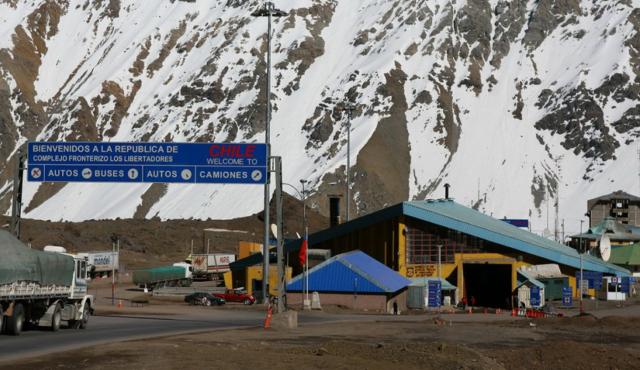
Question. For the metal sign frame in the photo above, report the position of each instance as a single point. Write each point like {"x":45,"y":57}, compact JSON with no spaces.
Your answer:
{"x":147,"y":162}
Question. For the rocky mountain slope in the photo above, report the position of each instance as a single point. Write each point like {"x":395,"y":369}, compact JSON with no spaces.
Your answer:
{"x":514,"y":103}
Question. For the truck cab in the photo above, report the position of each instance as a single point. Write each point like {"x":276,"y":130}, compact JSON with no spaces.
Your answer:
{"x":188,"y":273}
{"x":80,"y":280}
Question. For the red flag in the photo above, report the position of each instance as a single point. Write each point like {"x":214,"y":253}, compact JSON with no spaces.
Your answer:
{"x":302,"y":255}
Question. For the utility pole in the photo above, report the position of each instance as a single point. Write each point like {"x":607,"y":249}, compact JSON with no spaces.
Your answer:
{"x":439,"y":262}
{"x":268,"y":10}
{"x":114,"y":239}
{"x":581,"y":281}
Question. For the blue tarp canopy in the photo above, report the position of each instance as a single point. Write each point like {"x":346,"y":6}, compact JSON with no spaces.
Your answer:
{"x":351,"y":272}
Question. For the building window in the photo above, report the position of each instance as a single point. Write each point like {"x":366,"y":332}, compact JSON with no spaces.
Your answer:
{"x":423,"y":241}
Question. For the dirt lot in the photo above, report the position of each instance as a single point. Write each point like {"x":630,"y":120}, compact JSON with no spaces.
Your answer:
{"x":411,"y":342}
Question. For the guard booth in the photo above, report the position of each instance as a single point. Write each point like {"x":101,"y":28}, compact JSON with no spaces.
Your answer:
{"x":611,"y":289}
{"x":530,"y":291}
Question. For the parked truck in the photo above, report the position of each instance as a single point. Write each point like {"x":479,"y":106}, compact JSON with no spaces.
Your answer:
{"x":180,"y":274}
{"x":41,"y":288}
{"x":210,"y":266}
{"x":102,"y":263}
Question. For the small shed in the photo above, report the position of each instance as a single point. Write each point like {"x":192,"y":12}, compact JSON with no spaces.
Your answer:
{"x":353,"y":280}
{"x":531,"y":293}
{"x":418,"y":293}
{"x":552,"y":278}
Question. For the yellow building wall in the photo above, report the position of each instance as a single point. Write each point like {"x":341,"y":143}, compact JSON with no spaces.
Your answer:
{"x":572,"y":284}
{"x":429,"y":270}
{"x":402,"y":247}
{"x":228,"y":280}
{"x":447,"y":269}
{"x":255,"y":273}
{"x":492,"y":258}
{"x":245,"y":249}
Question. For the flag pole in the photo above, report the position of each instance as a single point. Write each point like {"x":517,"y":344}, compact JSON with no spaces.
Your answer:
{"x":306,"y":262}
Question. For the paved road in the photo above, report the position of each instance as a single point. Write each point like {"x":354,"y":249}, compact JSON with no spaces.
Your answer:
{"x":104,"y":329}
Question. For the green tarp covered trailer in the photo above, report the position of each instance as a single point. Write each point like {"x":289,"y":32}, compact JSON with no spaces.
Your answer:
{"x":158,"y":274}
{"x":20,"y":263}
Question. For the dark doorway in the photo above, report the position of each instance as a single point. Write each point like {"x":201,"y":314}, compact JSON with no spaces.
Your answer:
{"x":489,"y":285}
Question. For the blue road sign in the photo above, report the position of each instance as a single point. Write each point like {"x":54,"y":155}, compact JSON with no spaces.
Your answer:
{"x":517,"y":222}
{"x":534,"y":296}
{"x":434,"y":291}
{"x":567,"y":296}
{"x":203,"y":163}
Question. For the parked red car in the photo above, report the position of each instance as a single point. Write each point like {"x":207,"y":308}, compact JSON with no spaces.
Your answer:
{"x":237,"y":295}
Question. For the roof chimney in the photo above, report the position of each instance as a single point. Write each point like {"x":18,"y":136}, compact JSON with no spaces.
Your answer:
{"x":446,"y":191}
{"x":334,"y":210}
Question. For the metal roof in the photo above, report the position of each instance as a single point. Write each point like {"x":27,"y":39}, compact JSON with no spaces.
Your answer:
{"x":531,"y":279}
{"x":628,"y":255}
{"x":422,"y":281}
{"x":615,"y":195}
{"x":451,"y":215}
{"x":351,"y":272}
{"x":613,"y":229}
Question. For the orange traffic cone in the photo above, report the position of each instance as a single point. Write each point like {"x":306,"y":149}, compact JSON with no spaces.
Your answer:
{"x":267,"y":320}
{"x":120,"y":303}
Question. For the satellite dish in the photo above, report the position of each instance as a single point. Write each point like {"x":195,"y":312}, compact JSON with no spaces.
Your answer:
{"x":274,"y":230}
{"x":605,"y":247}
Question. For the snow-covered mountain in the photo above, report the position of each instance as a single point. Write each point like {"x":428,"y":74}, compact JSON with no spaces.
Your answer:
{"x":514,"y":103}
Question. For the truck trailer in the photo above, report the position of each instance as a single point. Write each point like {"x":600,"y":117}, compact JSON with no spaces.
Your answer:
{"x":180,"y":274}
{"x":210,"y":266}
{"x":101,"y":263}
{"x":42,"y":288}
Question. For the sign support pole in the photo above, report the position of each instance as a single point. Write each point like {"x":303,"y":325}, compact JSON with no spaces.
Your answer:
{"x":16,"y":205}
{"x":280,"y":241}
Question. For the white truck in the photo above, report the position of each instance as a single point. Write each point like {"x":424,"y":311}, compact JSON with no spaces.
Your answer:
{"x":42,"y":288}
{"x":101,"y":263}
{"x":210,"y":266}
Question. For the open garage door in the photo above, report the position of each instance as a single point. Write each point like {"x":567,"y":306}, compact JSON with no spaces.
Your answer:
{"x":489,"y":284}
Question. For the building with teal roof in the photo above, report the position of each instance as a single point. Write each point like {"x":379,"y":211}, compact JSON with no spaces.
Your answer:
{"x":478,"y":254}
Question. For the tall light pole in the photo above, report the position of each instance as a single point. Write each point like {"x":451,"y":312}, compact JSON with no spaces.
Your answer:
{"x":349,"y":107}
{"x":268,"y":10}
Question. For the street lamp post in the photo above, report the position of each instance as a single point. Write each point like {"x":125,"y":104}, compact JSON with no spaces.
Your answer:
{"x":268,"y":10}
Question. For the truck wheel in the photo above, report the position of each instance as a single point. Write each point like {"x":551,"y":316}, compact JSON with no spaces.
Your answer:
{"x":85,"y":317}
{"x":16,"y":321}
{"x":56,"y":318}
